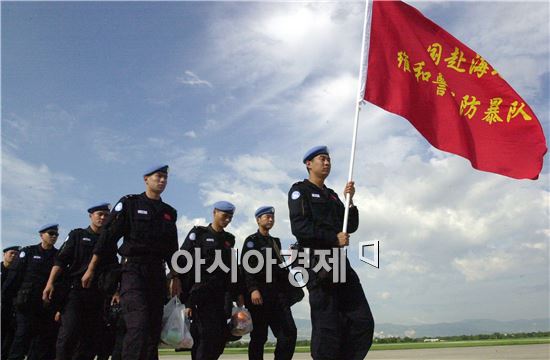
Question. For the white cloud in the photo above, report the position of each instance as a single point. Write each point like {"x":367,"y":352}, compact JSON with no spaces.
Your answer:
{"x":187,"y":164}
{"x":190,"y":78}
{"x":259,"y":169}
{"x":190,"y":134}
{"x":111,"y":147}
{"x":400,"y":263}
{"x":185,"y":225}
{"x":543,"y":246}
{"x":30,"y":198}
{"x":480,"y":267}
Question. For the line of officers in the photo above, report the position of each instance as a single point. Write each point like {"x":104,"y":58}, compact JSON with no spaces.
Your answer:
{"x":80,"y":302}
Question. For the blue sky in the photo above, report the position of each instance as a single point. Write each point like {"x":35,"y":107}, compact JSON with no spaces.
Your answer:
{"x":231,"y":94}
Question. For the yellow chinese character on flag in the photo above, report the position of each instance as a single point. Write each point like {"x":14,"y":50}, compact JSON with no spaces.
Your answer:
{"x":470,"y":105}
{"x":479,"y":66}
{"x":403,"y":59}
{"x":454,"y":61}
{"x":514,"y":111}
{"x":435,"y":50}
{"x":441,"y":85}
{"x":424,"y":75}
{"x":491,"y":115}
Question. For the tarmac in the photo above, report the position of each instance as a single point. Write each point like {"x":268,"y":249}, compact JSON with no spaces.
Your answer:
{"x":507,"y":352}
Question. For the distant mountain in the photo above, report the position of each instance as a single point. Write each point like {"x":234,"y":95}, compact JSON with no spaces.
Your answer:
{"x":465,"y":327}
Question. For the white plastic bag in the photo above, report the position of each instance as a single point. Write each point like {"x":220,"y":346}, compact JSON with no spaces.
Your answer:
{"x":176,"y":329}
{"x":241,"y":321}
{"x":169,"y":308}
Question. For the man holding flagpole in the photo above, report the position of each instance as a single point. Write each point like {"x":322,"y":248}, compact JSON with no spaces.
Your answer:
{"x":342,"y":323}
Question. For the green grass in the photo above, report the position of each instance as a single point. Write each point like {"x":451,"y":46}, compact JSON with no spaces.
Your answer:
{"x":467,"y":343}
{"x":403,"y":346}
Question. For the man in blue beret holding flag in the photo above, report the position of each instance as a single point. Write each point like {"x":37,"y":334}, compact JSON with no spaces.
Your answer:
{"x":342,"y":323}
{"x":148,"y":226}
{"x":267,"y":298}
{"x":36,"y":329}
{"x":206,"y":297}
{"x":81,"y":309}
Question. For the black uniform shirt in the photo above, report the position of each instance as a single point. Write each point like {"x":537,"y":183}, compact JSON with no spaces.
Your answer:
{"x":279,"y":276}
{"x":317,"y":215}
{"x":76,"y":252}
{"x":148,"y":227}
{"x":208,"y":241}
{"x":8,"y":279}
{"x":4,"y":272}
{"x":34,"y":266}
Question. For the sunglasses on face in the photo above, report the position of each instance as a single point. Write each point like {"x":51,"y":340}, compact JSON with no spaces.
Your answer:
{"x":52,"y":233}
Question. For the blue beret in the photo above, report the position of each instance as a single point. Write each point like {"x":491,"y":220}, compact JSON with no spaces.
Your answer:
{"x":158,"y":168}
{"x":100,"y":207}
{"x":313,"y":152}
{"x":225,"y":206}
{"x":264,"y":210}
{"x":16,"y":248}
{"x":47,"y":227}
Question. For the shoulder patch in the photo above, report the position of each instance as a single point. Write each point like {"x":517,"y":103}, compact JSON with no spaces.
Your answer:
{"x":192,"y":236}
{"x":249,"y":244}
{"x":295,"y":195}
{"x":118,"y":207}
{"x":22,"y":254}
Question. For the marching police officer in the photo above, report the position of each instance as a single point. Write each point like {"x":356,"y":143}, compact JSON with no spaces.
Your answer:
{"x":342,"y":323}
{"x":8,"y":316}
{"x":35,"y":321}
{"x":148,"y":226}
{"x":82,"y":308}
{"x":267,"y":298}
{"x":205,"y":297}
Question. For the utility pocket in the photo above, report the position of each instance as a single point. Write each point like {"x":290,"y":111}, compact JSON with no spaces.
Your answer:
{"x":141,"y":224}
{"x":24,"y":297}
{"x":319,"y":207}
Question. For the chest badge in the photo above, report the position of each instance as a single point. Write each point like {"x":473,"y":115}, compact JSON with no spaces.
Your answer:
{"x":210,"y":240}
{"x":37,"y":257}
{"x":86,"y":239}
{"x":316,"y":195}
{"x":142,"y":212}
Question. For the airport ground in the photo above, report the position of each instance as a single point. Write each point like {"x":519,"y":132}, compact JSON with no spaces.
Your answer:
{"x":484,"y":352}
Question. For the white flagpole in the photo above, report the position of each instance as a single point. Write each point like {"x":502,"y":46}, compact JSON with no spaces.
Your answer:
{"x":360,"y":95}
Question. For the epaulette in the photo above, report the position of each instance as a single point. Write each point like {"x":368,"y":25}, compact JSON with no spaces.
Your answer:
{"x":298,"y":183}
{"x":170,"y":207}
{"x":77,"y":231}
{"x":199,"y":230}
{"x":129,"y":196}
{"x":230,"y":237}
{"x":23,"y":252}
{"x":26,"y":248}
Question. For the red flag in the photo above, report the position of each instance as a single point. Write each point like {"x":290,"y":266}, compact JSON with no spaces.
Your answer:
{"x":449,"y":93}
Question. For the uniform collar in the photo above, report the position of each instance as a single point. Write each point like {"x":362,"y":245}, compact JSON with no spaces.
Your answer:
{"x":153,"y":200}
{"x":211,"y":229}
{"x":261,"y":236}
{"x":310,"y":184}
{"x":89,"y":230}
